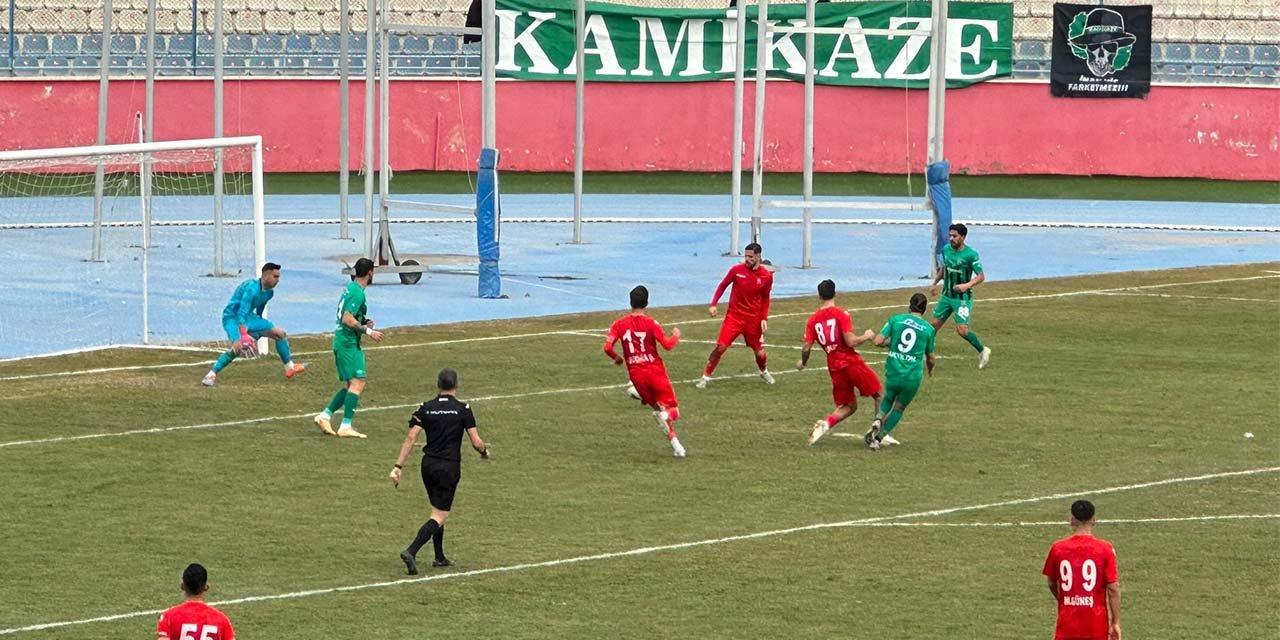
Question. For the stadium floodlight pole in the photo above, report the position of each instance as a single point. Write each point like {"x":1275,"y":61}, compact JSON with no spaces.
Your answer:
{"x":384,"y":116}
{"x":217,"y":133}
{"x":99,"y":172}
{"x":757,"y":155}
{"x":937,"y":107}
{"x":370,"y":32}
{"x":579,"y":112}
{"x":488,"y":74}
{"x":344,"y":118}
{"x":739,"y":13}
{"x":807,"y":244}
{"x":148,"y":120}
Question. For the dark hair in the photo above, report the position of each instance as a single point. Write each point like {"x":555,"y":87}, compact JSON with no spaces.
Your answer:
{"x":362,"y":268}
{"x":754,"y":246}
{"x":447,"y":380}
{"x":270,"y":266}
{"x":639,"y":297}
{"x":919,"y":302}
{"x":960,"y":229}
{"x":827,"y":289}
{"x":194,"y":579}
{"x":1082,"y":510}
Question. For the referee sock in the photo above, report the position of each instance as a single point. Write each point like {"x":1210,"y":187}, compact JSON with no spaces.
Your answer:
{"x":425,"y":534}
{"x":972,"y":338}
{"x":336,"y":402}
{"x":223,"y":360}
{"x":891,"y":422}
{"x":437,"y":540}
{"x":349,"y":408}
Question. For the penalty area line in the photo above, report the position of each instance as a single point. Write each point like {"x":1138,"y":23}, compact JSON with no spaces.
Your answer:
{"x":642,"y":551}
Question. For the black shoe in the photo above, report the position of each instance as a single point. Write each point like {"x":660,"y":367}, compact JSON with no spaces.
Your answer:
{"x":872,"y":439}
{"x":441,"y":562}
{"x":410,"y":564}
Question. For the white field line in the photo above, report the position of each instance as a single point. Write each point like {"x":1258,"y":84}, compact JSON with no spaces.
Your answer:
{"x":642,"y":551}
{"x":1171,"y":295}
{"x":300,"y":416}
{"x":1063,"y":523}
{"x":556,"y":289}
{"x":601,"y":331}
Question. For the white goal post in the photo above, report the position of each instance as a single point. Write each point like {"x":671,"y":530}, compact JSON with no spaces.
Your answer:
{"x":47,"y":212}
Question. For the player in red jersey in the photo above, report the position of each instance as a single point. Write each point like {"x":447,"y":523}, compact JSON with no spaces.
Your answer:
{"x":1084,"y":581}
{"x":832,"y":328}
{"x":748,"y":314}
{"x":193,"y":619}
{"x":640,"y":336}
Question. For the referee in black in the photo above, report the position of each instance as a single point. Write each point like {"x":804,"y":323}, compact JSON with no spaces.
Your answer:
{"x":444,"y":419}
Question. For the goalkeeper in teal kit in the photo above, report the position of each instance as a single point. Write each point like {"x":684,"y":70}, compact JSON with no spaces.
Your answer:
{"x":242,"y":319}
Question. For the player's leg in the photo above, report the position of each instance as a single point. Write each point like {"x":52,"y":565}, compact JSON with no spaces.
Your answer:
{"x":868,"y":385}
{"x":846,"y":402}
{"x":233,"y":334}
{"x":345,"y":374}
{"x":730,"y":329}
{"x":903,"y":397}
{"x":260,"y":328}
{"x":349,"y":404}
{"x":668,"y":410}
{"x":963,"y":317}
{"x":941,"y":311}
{"x":754,"y":339}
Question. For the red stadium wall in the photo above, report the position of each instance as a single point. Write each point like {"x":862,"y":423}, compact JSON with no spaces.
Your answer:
{"x":997,"y":128}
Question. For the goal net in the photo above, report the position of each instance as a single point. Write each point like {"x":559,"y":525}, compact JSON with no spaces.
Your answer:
{"x":126,"y":244}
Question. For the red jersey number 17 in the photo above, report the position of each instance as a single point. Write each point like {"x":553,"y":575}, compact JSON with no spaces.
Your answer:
{"x":633,"y":342}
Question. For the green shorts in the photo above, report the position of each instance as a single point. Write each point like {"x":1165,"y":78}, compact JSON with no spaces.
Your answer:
{"x":963,"y":309}
{"x":900,"y":391}
{"x":350,"y":363}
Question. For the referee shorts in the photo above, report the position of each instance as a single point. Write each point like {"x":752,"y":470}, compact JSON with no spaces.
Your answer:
{"x":441,"y":477}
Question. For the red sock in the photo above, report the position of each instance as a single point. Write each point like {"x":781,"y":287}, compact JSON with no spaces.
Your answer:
{"x":762,"y":360}
{"x":833,"y":420}
{"x":712,"y":363}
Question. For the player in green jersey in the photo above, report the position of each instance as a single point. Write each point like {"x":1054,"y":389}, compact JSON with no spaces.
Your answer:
{"x":910,"y":340}
{"x":243,"y":322}
{"x":961,"y":271}
{"x":352,"y":326}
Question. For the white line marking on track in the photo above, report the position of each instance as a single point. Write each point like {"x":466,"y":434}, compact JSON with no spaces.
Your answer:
{"x":300,"y":416}
{"x":514,"y":336}
{"x":861,"y":522}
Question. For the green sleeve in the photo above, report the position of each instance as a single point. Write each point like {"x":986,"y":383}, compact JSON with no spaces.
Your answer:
{"x":975,"y":263}
{"x":887,"y":330}
{"x":928,"y":345}
{"x":353,"y":301}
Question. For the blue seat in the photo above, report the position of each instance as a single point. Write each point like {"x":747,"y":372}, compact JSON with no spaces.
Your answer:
{"x":264,"y":63}
{"x":406,"y":63}
{"x":64,"y":44}
{"x":161,"y":43}
{"x":33,"y":45}
{"x":268,"y":43}
{"x":1207,"y":53}
{"x":436,"y":63}
{"x":85,"y":65}
{"x":297,"y":44}
{"x":1177,"y":53}
{"x":356,"y":42}
{"x":445,"y":44}
{"x":204,"y":44}
{"x":55,"y":65}
{"x":1263,"y":74}
{"x":173,"y":65}
{"x":1204,"y":72}
{"x":1237,"y":53}
{"x":4,"y":46}
{"x":90,"y":44}
{"x":1268,"y":53}
{"x":1157,"y":51}
{"x":1175,"y":72}
{"x":124,"y":44}
{"x":236,"y":63}
{"x":357,"y":65}
{"x":1033,"y":49}
{"x":415,"y":44}
{"x":1233,"y":71}
{"x":293,"y":65}
{"x":393,"y":44}
{"x":181,"y":44}
{"x":326,"y":43}
{"x":322,"y":64}
{"x":240,"y":43}
{"x":120,"y":63}
{"x":26,"y":66}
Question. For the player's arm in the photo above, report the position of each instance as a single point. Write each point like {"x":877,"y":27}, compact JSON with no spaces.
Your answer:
{"x":978,"y":277}
{"x":767,"y":294}
{"x":804,"y":355}
{"x":349,"y":320}
{"x":609,"y":340}
{"x":476,"y":443}
{"x":668,"y":342}
{"x":724,"y":286}
{"x":415,"y":428}
{"x":1050,"y":571}
{"x":938,"y":272}
{"x":852,"y":340}
{"x":883,"y":338}
{"x":1113,"y":605}
{"x":1053,"y":587}
{"x":930,"y":354}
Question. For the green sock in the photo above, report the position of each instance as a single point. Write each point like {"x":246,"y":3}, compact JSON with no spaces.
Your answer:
{"x":894,"y":417}
{"x":973,"y":340}
{"x":886,"y":404}
{"x":336,"y":402}
{"x":349,"y":408}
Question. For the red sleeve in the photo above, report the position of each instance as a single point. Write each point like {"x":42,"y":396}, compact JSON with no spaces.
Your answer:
{"x":162,"y":627}
{"x":667,"y":342}
{"x":609,"y":339}
{"x":1113,"y":572}
{"x":231,"y":632}
{"x":809,"y":335}
{"x":766,"y":293}
{"x":1050,"y":566}
{"x":724,"y":284}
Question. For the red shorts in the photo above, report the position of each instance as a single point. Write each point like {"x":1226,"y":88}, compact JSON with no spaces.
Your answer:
{"x":748,"y":328}
{"x":851,"y":380}
{"x":654,"y":387}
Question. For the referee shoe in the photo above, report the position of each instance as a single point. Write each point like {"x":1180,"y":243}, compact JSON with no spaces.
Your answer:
{"x":410,"y":564}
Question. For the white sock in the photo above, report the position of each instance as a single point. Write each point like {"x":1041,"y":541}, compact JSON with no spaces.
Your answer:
{"x":211,"y":374}
{"x":325,"y":414}
{"x":346,"y":424}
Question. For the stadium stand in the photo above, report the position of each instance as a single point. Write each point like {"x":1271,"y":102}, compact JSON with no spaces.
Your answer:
{"x":1204,"y":41}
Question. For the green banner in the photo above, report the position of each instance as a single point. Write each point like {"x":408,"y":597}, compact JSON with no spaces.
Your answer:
{"x":636,"y":44}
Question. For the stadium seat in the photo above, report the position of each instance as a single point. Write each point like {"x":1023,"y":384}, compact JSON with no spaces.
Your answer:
{"x":415,"y":45}
{"x":173,"y":65}
{"x":247,"y":22}
{"x":293,"y":65}
{"x":1266,"y":53}
{"x":393,"y":44}
{"x":278,"y":22}
{"x":327,"y":43}
{"x":268,"y":43}
{"x":1174,"y":72}
{"x":56,"y":4}
{"x":1204,"y":72}
{"x":86,"y":65}
{"x":322,"y":64}
{"x":298,"y":45}
{"x":1232,"y":72}
{"x":124,"y":44}
{"x":233,"y":64}
{"x":130,"y":21}
{"x":1177,"y":53}
{"x":262,"y":63}
{"x":25,"y":66}
{"x":400,"y":63}
{"x":174,"y":5}
{"x":74,"y":21}
{"x":33,"y":45}
{"x":65,"y":44}
{"x":55,"y":65}
{"x":1211,"y":30}
{"x":90,"y":44}
{"x":1245,"y":9}
{"x":4,"y":45}
{"x":1207,"y":53}
{"x":1236,"y":53}
{"x":1027,"y":49}
{"x":1263,"y":74}
{"x":240,"y":43}
{"x":356,"y":42}
{"x":181,"y":44}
